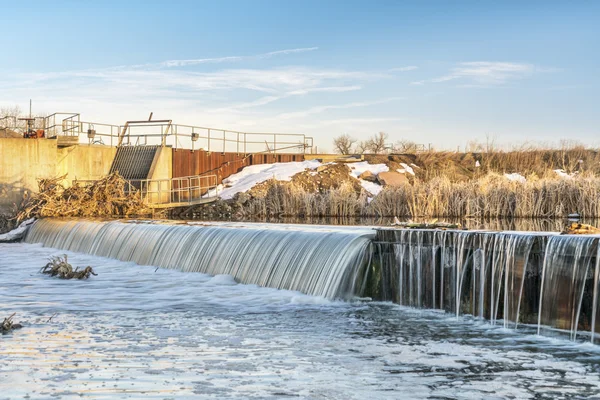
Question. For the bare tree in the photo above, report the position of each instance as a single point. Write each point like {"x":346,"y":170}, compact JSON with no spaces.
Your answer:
{"x":362,"y":147}
{"x":405,"y":146}
{"x":8,"y":120}
{"x":377,"y":143}
{"x":13,"y":111}
{"x":343,"y":144}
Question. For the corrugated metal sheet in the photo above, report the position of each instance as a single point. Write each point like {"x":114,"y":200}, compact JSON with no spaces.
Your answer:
{"x":198,"y":162}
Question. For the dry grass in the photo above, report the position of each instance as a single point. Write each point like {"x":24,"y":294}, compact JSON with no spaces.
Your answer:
{"x":287,"y":199}
{"x":524,"y":160}
{"x":490,"y":196}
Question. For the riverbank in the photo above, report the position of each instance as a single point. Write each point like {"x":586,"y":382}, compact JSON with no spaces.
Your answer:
{"x":490,"y":196}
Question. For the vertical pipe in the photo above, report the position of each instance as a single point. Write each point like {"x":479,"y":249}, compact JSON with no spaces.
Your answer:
{"x":209,"y":139}
{"x":223,"y":141}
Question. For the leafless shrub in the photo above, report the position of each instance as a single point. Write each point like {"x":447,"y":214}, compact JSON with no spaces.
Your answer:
{"x":377,"y":143}
{"x":343,"y":144}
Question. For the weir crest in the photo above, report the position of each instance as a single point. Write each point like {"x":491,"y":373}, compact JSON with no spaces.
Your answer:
{"x":543,"y":281}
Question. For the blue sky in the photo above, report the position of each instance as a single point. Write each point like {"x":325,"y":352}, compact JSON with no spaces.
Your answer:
{"x":440,"y":72}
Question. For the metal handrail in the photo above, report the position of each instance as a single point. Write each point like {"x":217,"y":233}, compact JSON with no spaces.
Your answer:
{"x":186,"y":190}
{"x":178,"y":136}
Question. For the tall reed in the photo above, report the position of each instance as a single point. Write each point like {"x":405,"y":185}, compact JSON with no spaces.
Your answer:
{"x":490,"y":196}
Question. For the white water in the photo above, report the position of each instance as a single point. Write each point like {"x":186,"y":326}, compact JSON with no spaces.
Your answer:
{"x":546,"y":280}
{"x":321,"y":262}
{"x":140,"y":332}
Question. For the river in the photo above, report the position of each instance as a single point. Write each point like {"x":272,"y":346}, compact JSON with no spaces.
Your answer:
{"x":141,"y":332}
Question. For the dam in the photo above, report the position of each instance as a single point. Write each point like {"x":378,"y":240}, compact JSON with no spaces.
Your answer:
{"x":541,"y":281}
{"x":171,"y":164}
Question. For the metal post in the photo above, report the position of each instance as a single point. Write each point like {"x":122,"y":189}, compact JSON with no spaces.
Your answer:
{"x":223,"y":141}
{"x":209,"y":139}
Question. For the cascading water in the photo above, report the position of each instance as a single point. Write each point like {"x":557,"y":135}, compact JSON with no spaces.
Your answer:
{"x":321,"y":262}
{"x":569,"y":285}
{"x":538,"y":279}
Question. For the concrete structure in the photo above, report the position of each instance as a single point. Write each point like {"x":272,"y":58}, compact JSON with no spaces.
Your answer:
{"x":24,"y":161}
{"x":166,"y":162}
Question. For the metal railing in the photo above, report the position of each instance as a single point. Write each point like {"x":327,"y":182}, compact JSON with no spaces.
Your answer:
{"x":165,"y":133}
{"x":172,"y":192}
{"x":176,"y":191}
{"x":62,"y":124}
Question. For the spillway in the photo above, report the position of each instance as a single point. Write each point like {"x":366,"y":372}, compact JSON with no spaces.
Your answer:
{"x":320,"y":262}
{"x":546,"y":281}
{"x":543,"y":282}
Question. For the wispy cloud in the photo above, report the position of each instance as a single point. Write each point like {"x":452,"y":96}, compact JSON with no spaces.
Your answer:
{"x":484,"y":73}
{"x":403,"y":69}
{"x":300,"y":92}
{"x":320,"y":109}
{"x":187,"y":63}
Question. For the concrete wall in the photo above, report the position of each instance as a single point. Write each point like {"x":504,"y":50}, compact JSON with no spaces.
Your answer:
{"x":159,"y":192}
{"x":22,"y":162}
{"x":85,"y":162}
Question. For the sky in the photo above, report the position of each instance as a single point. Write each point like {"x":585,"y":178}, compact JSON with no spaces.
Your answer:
{"x":444,"y":73}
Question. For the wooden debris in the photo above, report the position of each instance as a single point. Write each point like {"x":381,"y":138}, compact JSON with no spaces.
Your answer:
{"x":8,"y":325}
{"x":580,"y":229}
{"x":109,"y":196}
{"x":59,"y":266}
{"x":434,"y":224}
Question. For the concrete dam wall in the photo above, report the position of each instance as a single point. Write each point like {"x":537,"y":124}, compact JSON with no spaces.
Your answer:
{"x":24,"y":161}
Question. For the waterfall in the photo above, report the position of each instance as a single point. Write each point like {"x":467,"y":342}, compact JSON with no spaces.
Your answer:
{"x":322,"y":262}
{"x":542,"y":280}
{"x":569,"y":285}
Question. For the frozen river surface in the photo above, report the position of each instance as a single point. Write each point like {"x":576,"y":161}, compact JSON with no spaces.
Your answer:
{"x":141,"y":332}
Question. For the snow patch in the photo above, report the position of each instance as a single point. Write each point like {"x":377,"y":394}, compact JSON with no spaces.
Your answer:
{"x":515,"y":177}
{"x":563,"y":174}
{"x":356,"y":169}
{"x":371,"y":187}
{"x":252,"y":175}
{"x":406,"y":168}
{"x":17,"y":233}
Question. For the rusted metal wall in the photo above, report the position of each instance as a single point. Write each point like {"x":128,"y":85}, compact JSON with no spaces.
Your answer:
{"x":198,"y":162}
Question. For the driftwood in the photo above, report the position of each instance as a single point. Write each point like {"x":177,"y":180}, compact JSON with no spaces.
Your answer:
{"x":8,"y":325}
{"x":59,"y":266}
{"x":105,"y":197}
{"x":580,"y":229}
{"x":434,"y":224}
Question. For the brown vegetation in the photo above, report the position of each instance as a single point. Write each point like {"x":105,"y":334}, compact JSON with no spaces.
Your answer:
{"x":580,"y":229}
{"x":106,"y":197}
{"x":491,"y":196}
{"x":526,"y":161}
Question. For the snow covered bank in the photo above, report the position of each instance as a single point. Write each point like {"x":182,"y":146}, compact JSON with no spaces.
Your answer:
{"x":253,"y":175}
{"x":17,"y":233}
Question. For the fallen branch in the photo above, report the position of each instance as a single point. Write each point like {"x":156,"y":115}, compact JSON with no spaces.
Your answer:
{"x":8,"y":325}
{"x":111,"y":195}
{"x":59,"y":266}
